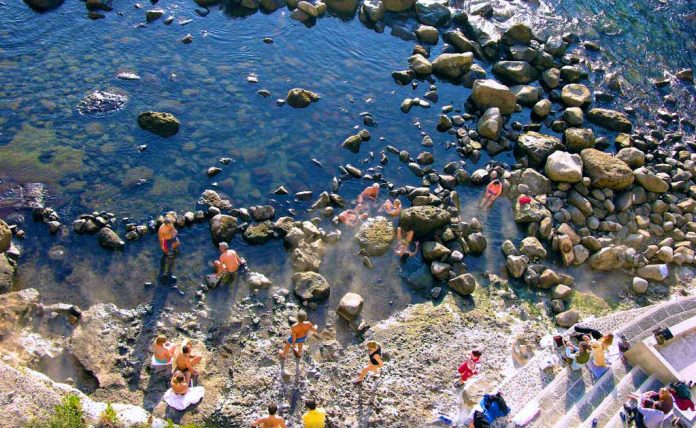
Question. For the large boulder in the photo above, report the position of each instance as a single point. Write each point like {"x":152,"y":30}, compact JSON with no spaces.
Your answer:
{"x":464,"y":284}
{"x":490,"y":124}
{"x":43,"y":5}
{"x":259,"y":233}
{"x":608,"y":258}
{"x":516,"y":265}
{"x":535,"y":182}
{"x":5,"y":237}
{"x":373,"y":9}
{"x":420,"y":65}
{"x":375,"y":236}
{"x":433,"y":12}
{"x":656,"y":272}
{"x":160,"y":123}
{"x":433,"y":251}
{"x":578,"y":139}
{"x":223,"y":228}
{"x":605,"y":170}
{"x":350,"y":306}
{"x":518,"y":33}
{"x":537,"y":147}
{"x":567,"y":318}
{"x":423,"y":220}
{"x":564,"y":167}
{"x":532,"y":248}
{"x":427,"y":34}
{"x":462,"y":43}
{"x":300,"y":98}
{"x":398,"y":5}
{"x":650,"y":181}
{"x":343,"y":7}
{"x":7,"y":273}
{"x":109,"y":239}
{"x":489,"y":93}
{"x":310,"y":286}
{"x":307,"y":256}
{"x":533,"y":212}
{"x":633,"y":157}
{"x":453,"y":65}
{"x":515,"y":72}
{"x":576,"y":95}
{"x":610,"y":119}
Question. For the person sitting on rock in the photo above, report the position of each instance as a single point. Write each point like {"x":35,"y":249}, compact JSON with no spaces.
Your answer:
{"x":270,"y":421}
{"x":351,"y":217}
{"x":298,"y":335}
{"x":402,"y":244}
{"x":185,"y":362}
{"x":393,"y":209}
{"x":180,"y":395}
{"x":374,"y":350}
{"x":227,"y":265}
{"x":369,"y":194}
{"x":470,"y":367}
{"x":577,"y":356}
{"x":169,"y":243}
{"x":163,"y":351}
{"x":493,"y":190}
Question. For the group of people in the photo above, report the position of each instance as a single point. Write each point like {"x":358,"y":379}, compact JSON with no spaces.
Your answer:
{"x":225,"y":267}
{"x":591,"y":348}
{"x":183,"y":362}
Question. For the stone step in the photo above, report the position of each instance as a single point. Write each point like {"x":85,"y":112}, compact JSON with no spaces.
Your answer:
{"x":612,"y":386}
{"x":652,"y":383}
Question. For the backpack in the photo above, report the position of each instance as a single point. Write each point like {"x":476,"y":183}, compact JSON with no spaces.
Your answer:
{"x":682,"y":390}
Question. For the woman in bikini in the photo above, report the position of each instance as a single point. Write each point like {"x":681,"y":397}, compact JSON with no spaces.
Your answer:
{"x":162,"y":350}
{"x":493,"y":190}
{"x":374,"y":350}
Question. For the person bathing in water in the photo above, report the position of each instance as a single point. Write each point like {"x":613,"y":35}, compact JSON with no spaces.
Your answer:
{"x":402,"y":244}
{"x":352,"y":217}
{"x":393,"y":209}
{"x":374,"y":350}
{"x":169,"y":243}
{"x":163,"y":350}
{"x":493,"y":190}
{"x":369,"y":194}
{"x":228,"y":264}
{"x":298,"y":335}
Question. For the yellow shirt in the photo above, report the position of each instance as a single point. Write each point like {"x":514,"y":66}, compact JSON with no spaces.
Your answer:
{"x":314,"y":418}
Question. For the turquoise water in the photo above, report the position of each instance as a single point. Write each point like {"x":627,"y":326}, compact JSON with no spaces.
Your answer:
{"x":49,"y":62}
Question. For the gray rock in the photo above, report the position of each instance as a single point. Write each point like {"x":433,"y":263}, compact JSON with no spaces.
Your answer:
{"x":578,"y":139}
{"x":433,"y":12}
{"x":420,"y":65}
{"x":160,"y":123}
{"x":310,"y":286}
{"x":515,"y":72}
{"x":650,"y":181}
{"x":537,"y":147}
{"x":489,"y":93}
{"x":573,"y":116}
{"x":532,"y":248}
{"x":526,"y":95}
{"x":452,"y":66}
{"x":564,"y":167}
{"x":464,"y":284}
{"x":300,"y":98}
{"x":490,"y":124}
{"x":350,"y":306}
{"x":516,"y":265}
{"x":567,"y":318}
{"x":109,"y":239}
{"x":657,"y":272}
{"x":423,"y":220}
{"x":427,"y":34}
{"x":633,"y":157}
{"x":639,"y":285}
{"x":542,"y":108}
{"x":605,"y":170}
{"x":576,"y":95}
{"x":433,"y":251}
{"x":610,"y":119}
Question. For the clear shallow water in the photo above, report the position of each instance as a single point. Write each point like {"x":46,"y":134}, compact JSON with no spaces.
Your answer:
{"x":49,"y":62}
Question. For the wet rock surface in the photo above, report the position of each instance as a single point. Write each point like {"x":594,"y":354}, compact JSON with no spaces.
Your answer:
{"x":101,"y":102}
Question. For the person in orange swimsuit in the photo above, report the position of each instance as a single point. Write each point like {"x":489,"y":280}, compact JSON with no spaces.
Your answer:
{"x":393,"y":209}
{"x":298,"y":335}
{"x":493,"y":190}
{"x":370,"y":193}
{"x":169,"y":243}
{"x":270,"y":421}
{"x":228,"y":264}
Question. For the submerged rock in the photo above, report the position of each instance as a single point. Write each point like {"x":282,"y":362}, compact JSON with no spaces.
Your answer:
{"x":160,"y":123}
{"x":300,"y":98}
{"x":212,"y":198}
{"x":101,"y":102}
{"x":260,"y":233}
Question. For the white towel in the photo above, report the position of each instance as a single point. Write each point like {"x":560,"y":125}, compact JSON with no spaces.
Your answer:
{"x":181,"y":402}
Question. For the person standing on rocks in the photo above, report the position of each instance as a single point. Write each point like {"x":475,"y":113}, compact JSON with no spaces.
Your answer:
{"x":169,"y":243}
{"x":315,"y":417}
{"x":270,"y":421}
{"x":374,"y":350}
{"x":298,"y":335}
{"x":228,"y":264}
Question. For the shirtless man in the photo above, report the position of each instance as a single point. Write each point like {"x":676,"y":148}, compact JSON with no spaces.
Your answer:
{"x":229,"y":262}
{"x":185,"y":361}
{"x":169,"y":243}
{"x":298,"y":335}
{"x":270,"y":421}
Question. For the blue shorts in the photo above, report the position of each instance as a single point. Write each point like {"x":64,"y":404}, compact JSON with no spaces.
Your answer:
{"x":298,"y":340}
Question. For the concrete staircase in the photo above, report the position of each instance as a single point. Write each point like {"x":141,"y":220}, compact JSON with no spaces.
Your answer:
{"x":575,"y":398}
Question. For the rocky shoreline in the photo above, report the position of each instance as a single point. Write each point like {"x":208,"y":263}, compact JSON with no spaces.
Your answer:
{"x":632,"y":211}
